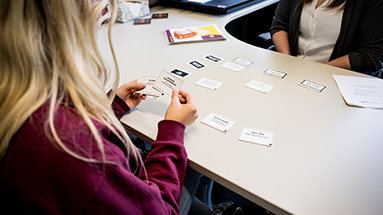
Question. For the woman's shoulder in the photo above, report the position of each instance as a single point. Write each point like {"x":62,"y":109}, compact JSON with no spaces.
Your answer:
{"x":36,"y":134}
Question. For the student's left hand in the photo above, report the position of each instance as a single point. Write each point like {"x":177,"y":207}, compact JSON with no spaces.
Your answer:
{"x":127,"y":92}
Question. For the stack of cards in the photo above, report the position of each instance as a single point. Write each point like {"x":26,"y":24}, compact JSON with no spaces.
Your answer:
{"x":149,"y":80}
{"x":157,"y":86}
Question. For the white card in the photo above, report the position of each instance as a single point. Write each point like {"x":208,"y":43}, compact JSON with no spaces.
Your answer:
{"x":166,"y":82}
{"x":208,"y":83}
{"x":275,"y":73}
{"x":232,"y":66}
{"x":259,"y":86}
{"x":195,"y":64}
{"x":149,"y":80}
{"x":180,"y":73}
{"x":212,"y":58}
{"x":218,"y":122}
{"x":257,"y":136}
{"x":313,"y":85}
{"x":242,"y":61}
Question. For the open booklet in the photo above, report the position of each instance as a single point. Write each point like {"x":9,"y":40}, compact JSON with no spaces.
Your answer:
{"x":193,"y":34}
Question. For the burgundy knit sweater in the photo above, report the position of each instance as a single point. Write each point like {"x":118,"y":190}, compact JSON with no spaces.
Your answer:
{"x":38,"y":177}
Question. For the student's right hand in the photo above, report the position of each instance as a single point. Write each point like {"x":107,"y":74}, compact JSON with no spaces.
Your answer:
{"x":182,"y":108}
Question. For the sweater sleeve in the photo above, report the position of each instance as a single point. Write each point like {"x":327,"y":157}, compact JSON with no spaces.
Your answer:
{"x":282,"y":16}
{"x":166,"y":163}
{"x":368,"y":56}
{"x":157,"y":190}
{"x":119,"y":107}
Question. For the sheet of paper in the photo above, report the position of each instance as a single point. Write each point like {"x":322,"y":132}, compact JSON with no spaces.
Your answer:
{"x":360,"y":91}
{"x":275,"y":73}
{"x":166,"y":82}
{"x":218,"y":122}
{"x":253,"y":135}
{"x":313,"y":85}
{"x":232,"y":66}
{"x":208,"y":83}
{"x":259,"y":86}
{"x":242,"y":61}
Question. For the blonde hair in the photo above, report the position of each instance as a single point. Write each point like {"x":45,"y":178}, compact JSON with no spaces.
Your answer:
{"x":48,"y":52}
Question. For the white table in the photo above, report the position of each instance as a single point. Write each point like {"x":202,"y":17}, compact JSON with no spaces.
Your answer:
{"x":326,"y":157}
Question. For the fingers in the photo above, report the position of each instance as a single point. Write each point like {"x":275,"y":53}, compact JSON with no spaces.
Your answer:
{"x":175,"y":96}
{"x":133,"y":85}
{"x":187,"y":97}
{"x":182,"y":108}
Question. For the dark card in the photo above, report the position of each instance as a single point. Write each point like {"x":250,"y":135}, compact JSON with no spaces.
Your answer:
{"x":142,"y":21}
{"x":160,"y":16}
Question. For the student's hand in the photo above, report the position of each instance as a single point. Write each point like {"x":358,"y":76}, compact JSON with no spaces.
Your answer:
{"x":127,"y":92}
{"x":182,"y":108}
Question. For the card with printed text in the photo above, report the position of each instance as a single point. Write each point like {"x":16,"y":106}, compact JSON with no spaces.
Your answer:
{"x":166,"y":82}
{"x":242,"y":61}
{"x":259,"y":86}
{"x":275,"y":73}
{"x":208,"y":83}
{"x":232,"y":66}
{"x":253,"y":135}
{"x":218,"y":122}
{"x":313,"y":85}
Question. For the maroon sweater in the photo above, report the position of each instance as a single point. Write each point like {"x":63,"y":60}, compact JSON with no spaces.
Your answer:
{"x":38,"y":177}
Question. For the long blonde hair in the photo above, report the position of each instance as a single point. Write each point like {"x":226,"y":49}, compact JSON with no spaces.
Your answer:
{"x":48,"y":52}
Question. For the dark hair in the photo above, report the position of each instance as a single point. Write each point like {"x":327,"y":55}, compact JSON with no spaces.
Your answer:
{"x":333,"y":3}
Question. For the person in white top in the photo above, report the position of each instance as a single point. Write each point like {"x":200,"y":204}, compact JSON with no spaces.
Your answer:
{"x":342,"y":33}
{"x":320,"y":27}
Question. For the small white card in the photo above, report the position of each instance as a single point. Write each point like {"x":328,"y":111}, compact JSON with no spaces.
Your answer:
{"x":257,"y":136}
{"x":275,"y":73}
{"x":232,"y":66}
{"x":212,"y":58}
{"x":259,"y":86}
{"x":195,"y":64}
{"x":218,"y":122}
{"x":242,"y":61}
{"x":313,"y":85}
{"x":149,"y":80}
{"x":208,"y":83}
{"x":180,"y":73}
{"x":166,"y":82}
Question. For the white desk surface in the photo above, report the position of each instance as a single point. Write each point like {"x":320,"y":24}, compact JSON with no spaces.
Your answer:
{"x":326,"y":157}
